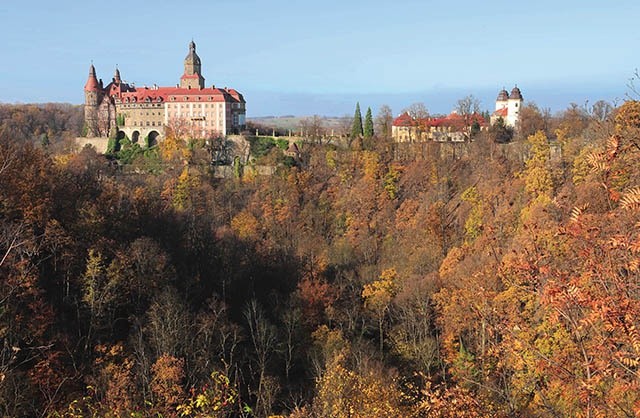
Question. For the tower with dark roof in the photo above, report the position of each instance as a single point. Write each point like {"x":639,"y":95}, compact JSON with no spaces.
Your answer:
{"x":508,"y":107}
{"x":515,"y":94}
{"x":514,"y":104}
{"x":192,"y":77}
{"x":502,"y":100}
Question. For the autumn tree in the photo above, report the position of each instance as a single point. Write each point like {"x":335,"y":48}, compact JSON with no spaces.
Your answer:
{"x":166,"y":384}
{"x":378,"y":296}
{"x":573,"y":120}
{"x":537,"y":174}
{"x":342,"y":392}
{"x":533,"y":119}
{"x":99,"y":292}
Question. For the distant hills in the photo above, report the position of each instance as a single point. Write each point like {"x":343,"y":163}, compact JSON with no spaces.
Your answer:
{"x":294,"y":122}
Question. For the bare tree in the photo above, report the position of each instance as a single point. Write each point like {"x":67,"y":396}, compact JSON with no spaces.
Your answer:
{"x":384,"y":121}
{"x":417,"y":110}
{"x":313,"y":128}
{"x":291,"y":319}
{"x":468,"y":107}
{"x":601,"y":110}
{"x":263,"y":339}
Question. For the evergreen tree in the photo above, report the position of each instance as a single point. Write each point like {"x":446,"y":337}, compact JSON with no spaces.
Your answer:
{"x":500,"y":132}
{"x":368,"y":124}
{"x":356,"y":128}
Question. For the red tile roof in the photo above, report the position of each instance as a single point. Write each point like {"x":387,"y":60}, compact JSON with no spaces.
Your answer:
{"x":404,"y":120}
{"x":168,"y":94}
{"x":453,"y":120}
{"x":92,"y":82}
{"x":501,"y":112}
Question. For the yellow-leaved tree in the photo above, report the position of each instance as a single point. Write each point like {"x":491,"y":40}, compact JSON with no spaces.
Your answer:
{"x":378,"y":296}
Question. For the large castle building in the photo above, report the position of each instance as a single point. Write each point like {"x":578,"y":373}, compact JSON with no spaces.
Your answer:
{"x":189,"y":108}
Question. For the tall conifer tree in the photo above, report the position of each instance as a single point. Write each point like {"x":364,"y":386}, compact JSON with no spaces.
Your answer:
{"x":356,"y":128}
{"x":368,"y":124}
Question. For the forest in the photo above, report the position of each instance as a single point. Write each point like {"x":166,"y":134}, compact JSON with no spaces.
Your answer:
{"x":500,"y":282}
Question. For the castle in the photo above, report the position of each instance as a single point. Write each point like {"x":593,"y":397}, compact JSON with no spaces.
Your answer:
{"x":455,"y":127}
{"x":190,"y":108}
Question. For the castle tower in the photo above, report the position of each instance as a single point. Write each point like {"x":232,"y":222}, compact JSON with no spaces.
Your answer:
{"x":116,"y":76}
{"x":91,"y":100}
{"x":192,"y":77}
{"x":514,"y":104}
{"x":502,"y":100}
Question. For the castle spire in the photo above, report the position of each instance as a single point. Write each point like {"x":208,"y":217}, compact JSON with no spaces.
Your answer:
{"x":192,"y":77}
{"x":116,"y":77}
{"x":92,"y":81}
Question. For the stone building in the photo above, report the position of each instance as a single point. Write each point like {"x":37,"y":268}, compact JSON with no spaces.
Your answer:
{"x":508,"y":107}
{"x":190,"y":108}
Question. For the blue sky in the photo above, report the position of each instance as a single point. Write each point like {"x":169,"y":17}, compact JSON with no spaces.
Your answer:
{"x":306,"y":57}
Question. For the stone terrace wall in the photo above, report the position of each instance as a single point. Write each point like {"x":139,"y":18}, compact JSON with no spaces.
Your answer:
{"x":100,"y":144}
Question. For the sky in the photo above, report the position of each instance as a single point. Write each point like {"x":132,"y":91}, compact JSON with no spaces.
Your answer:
{"x":321,"y":57}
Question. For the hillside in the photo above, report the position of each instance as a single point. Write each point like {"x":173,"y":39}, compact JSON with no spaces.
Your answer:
{"x":498,"y":282}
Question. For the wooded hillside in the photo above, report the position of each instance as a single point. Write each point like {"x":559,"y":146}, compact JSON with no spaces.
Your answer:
{"x":503,"y":282}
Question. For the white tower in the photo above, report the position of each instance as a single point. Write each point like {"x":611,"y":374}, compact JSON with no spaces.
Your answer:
{"x":513,"y":105}
{"x":502,"y":100}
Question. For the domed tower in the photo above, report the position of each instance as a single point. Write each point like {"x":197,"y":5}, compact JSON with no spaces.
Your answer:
{"x":192,"y":77}
{"x":92,"y":97}
{"x":514,"y":104}
{"x":501,"y":101}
